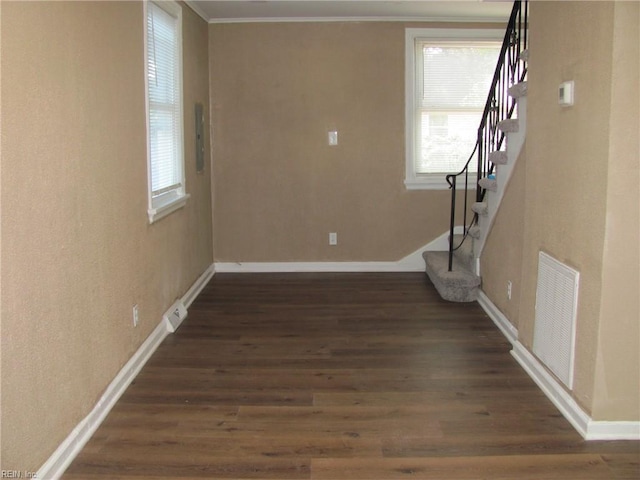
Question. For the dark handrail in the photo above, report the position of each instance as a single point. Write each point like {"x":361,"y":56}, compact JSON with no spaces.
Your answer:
{"x":499,"y":106}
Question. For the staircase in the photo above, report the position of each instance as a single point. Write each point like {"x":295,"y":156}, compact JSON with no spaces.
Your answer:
{"x":460,"y":284}
{"x":456,"y":273}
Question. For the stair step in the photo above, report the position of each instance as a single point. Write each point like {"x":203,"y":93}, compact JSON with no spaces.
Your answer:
{"x":475,"y":231}
{"x":480,"y":208}
{"x":518,"y":90}
{"x":490,"y":184}
{"x":459,"y":285}
{"x":524,"y":55}
{"x":499,"y":157}
{"x":464,"y":250}
{"x":509,"y":125}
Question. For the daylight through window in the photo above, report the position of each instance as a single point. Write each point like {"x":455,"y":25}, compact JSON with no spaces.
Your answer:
{"x":164,"y":103}
{"x":450,"y":81}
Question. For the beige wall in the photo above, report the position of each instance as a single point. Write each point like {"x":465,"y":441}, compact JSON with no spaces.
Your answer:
{"x":617,"y":389}
{"x":580,"y":196}
{"x":501,"y":259}
{"x":277,"y":88}
{"x":567,"y":153}
{"x":77,"y":249}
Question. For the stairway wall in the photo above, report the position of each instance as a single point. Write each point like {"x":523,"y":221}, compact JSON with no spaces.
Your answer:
{"x":571,"y":208}
{"x":501,"y":259}
{"x":619,"y":330}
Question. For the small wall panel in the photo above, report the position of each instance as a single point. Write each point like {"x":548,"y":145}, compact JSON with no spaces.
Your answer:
{"x":556,"y":311}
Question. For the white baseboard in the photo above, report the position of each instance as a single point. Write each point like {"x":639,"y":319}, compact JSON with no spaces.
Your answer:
{"x":553,"y":389}
{"x":58,"y":462}
{"x":587,"y":427}
{"x":502,"y":322}
{"x":198,"y":285}
{"x":411,"y":263}
{"x":177,"y":312}
{"x":603,"y":430}
{"x":291,"y":267}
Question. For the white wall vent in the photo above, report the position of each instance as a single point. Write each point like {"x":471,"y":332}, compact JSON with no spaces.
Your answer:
{"x":174,"y":316}
{"x":556,"y":310}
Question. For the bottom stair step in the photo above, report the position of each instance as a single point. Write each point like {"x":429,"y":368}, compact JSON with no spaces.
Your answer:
{"x":480,"y":208}
{"x":459,"y":285}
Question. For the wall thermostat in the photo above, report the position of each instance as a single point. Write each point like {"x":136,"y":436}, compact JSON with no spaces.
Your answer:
{"x":565,"y":94}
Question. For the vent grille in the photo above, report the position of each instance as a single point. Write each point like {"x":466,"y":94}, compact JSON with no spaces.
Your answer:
{"x":556,"y":310}
{"x":174,"y":316}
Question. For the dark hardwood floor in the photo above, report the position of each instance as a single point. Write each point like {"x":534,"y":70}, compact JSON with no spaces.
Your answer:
{"x":339,"y":376}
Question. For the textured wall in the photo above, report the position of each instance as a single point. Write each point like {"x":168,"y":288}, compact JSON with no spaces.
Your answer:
{"x":567,"y":156}
{"x":617,"y":389}
{"x":277,"y":88}
{"x":77,"y":249}
{"x":501,"y":259}
{"x":576,"y":196}
{"x":570,"y":210}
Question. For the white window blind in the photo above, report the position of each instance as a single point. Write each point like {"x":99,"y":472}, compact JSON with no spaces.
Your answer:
{"x":451,"y":91}
{"x":164,"y":90}
{"x":447,"y":79}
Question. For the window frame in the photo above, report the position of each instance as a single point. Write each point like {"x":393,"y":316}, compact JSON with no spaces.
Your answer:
{"x":463,"y":36}
{"x":161,"y":205}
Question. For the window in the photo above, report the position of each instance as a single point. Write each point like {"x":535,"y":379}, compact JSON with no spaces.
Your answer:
{"x":163,"y":54}
{"x":448,"y":76}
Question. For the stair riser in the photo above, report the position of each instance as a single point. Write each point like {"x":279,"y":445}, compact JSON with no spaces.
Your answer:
{"x":459,"y":285}
{"x":510,"y":125}
{"x":489,"y":184}
{"x":498,"y":158}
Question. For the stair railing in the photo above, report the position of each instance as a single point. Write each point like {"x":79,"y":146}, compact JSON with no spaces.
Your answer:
{"x":499,"y":106}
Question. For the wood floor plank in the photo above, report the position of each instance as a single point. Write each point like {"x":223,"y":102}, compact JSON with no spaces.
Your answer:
{"x":339,"y":376}
{"x":236,"y":442}
{"x":527,"y":467}
{"x":150,"y":464}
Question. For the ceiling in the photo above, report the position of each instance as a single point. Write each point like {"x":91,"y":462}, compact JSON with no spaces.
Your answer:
{"x":309,"y":10}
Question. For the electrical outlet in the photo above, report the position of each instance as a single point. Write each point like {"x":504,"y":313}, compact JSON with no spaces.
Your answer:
{"x":136,"y":317}
{"x":333,"y":238}
{"x":509,"y":289}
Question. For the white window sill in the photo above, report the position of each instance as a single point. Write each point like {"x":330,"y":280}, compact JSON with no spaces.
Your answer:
{"x":167,"y":206}
{"x":435,"y":182}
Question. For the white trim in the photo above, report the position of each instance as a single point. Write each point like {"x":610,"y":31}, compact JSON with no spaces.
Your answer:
{"x":162,"y":211}
{"x":603,"y":430}
{"x":439,"y":244}
{"x":411,"y":263}
{"x":197,"y":10}
{"x":515,"y":142}
{"x":501,"y":321}
{"x":500,"y":20}
{"x":57,"y":463}
{"x":430,"y":181}
{"x":290,"y":267}
{"x":161,"y":206}
{"x":198,"y":286}
{"x":553,"y":389}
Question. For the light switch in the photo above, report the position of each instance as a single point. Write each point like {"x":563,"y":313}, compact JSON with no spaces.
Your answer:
{"x":565,"y":94}
{"x":333,"y":138}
